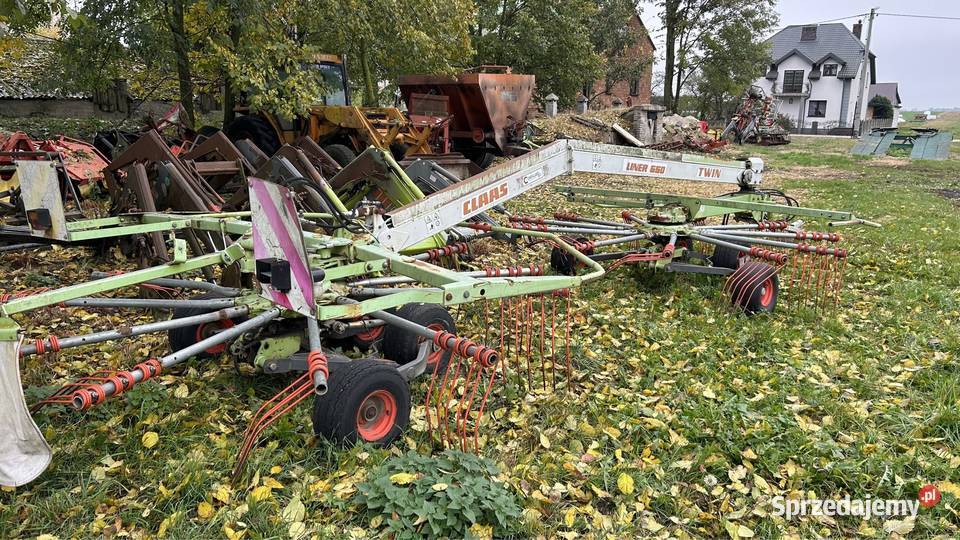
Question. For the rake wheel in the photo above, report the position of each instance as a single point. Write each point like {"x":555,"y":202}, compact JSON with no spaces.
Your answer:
{"x":725,"y":257}
{"x":403,"y":346}
{"x":367,"y":400}
{"x":183,"y":337}
{"x":757,"y":298}
{"x":564,"y":262}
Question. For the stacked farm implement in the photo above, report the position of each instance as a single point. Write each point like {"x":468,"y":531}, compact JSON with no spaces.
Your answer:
{"x":349,"y":282}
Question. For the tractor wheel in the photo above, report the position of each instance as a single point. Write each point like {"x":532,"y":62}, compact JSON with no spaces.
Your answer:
{"x":341,"y":154}
{"x":403,"y":346}
{"x":367,"y":400}
{"x":763,"y":299}
{"x":399,"y":150}
{"x":482,"y":158}
{"x":258,"y":130}
{"x":183,"y":337}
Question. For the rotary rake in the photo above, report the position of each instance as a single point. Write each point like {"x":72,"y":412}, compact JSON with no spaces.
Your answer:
{"x":761,"y":259}
{"x":353,"y":302}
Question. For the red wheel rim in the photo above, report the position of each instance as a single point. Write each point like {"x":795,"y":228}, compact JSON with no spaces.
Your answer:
{"x":371,"y":335}
{"x":376,"y":416}
{"x":206,"y":330}
{"x":434,"y":357}
{"x":766,"y":293}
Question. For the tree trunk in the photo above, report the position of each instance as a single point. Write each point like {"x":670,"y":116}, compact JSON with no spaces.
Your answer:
{"x":229,"y":95}
{"x":369,"y":91}
{"x":181,"y":50}
{"x":669,"y":61}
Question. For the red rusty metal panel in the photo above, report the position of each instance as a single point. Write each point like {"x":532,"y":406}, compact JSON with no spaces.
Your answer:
{"x":485,"y":106}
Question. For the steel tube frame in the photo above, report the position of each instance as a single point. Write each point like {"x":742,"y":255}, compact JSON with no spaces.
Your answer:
{"x":150,"y":303}
{"x":177,"y":357}
{"x":139,"y":330}
{"x":183,"y":284}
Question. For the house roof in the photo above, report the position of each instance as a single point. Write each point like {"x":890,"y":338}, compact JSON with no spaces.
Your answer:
{"x":889,"y":90}
{"x":831,"y":39}
{"x":25,"y":71}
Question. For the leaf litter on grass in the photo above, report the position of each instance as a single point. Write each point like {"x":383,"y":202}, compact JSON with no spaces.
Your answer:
{"x":686,"y":419}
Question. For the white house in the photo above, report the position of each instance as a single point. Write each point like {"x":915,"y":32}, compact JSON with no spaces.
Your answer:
{"x":815,"y":73}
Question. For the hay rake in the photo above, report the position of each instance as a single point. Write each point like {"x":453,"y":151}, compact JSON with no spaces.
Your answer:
{"x":302,"y":295}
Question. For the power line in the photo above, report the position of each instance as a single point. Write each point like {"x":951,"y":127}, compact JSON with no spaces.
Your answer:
{"x":842,"y":18}
{"x":884,"y":14}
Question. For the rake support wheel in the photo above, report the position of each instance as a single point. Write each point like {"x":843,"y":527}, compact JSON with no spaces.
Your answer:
{"x":183,"y":337}
{"x":403,"y":347}
{"x":367,"y":400}
{"x":757,"y":290}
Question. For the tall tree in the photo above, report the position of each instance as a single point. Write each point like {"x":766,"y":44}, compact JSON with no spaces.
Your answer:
{"x":689,"y":23}
{"x":730,"y":63}
{"x":549,"y":39}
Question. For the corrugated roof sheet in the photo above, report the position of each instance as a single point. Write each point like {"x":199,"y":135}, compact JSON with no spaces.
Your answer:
{"x":832,"y":38}
{"x":889,"y":90}
{"x":25,"y":73}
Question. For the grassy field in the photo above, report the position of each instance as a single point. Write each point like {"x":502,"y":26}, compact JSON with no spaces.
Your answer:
{"x":686,"y":418}
{"x":946,"y":121}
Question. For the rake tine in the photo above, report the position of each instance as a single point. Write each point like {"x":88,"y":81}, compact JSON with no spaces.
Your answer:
{"x":553,"y":339}
{"x":569,"y":371}
{"x":543,"y":364}
{"x":483,"y":404}
{"x":269,"y":412}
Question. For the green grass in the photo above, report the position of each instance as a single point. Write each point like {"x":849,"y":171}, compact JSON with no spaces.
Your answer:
{"x":710,"y":412}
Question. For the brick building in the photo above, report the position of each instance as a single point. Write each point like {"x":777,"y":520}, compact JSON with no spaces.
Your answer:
{"x":633,"y":91}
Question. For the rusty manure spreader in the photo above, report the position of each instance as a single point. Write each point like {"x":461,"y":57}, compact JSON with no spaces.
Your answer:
{"x":310,"y":280}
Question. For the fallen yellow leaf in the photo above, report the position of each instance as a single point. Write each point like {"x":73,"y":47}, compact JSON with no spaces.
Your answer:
{"x":150,"y":439}
{"x":625,"y":483}
{"x":402,"y":479}
{"x":205,"y":510}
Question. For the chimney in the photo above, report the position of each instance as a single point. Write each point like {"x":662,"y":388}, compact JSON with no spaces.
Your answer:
{"x":857,"y":28}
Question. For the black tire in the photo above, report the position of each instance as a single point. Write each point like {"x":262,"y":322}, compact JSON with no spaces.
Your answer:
{"x":340,"y":153}
{"x":482,"y":158}
{"x":367,"y":400}
{"x":312,"y":200}
{"x":725,"y":257}
{"x":208,"y":131}
{"x":399,"y":150}
{"x":180,"y":338}
{"x":258,"y":130}
{"x":565,"y":263}
{"x":762,"y":298}
{"x":402,"y":346}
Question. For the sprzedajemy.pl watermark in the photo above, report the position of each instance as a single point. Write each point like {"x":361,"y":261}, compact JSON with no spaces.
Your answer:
{"x":867,"y":508}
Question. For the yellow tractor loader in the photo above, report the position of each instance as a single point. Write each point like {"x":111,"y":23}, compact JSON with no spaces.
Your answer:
{"x":341,"y":128}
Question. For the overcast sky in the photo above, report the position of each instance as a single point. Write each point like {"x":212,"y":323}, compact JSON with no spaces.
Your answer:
{"x":913,"y":52}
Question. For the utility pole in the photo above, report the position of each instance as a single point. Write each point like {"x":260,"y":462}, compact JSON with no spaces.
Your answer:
{"x":861,"y":109}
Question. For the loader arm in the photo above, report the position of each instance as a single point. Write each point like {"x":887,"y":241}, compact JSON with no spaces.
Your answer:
{"x":410,"y":224}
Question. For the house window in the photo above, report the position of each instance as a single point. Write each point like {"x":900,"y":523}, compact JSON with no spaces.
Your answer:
{"x":793,"y":81}
{"x":818,"y":109}
{"x":634,"y":87}
{"x":829,"y":70}
{"x":808,"y":33}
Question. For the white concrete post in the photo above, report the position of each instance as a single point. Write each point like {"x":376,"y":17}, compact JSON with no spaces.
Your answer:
{"x":551,"y":105}
{"x":581,"y":104}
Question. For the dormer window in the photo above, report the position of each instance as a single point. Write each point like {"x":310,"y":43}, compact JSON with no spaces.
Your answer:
{"x":830,"y":70}
{"x":808,"y":33}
